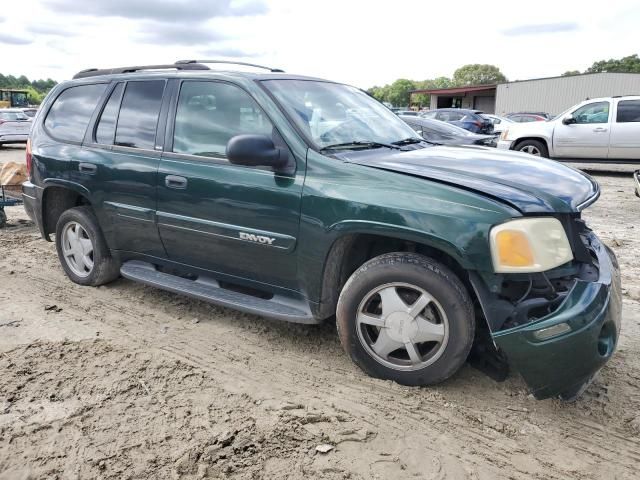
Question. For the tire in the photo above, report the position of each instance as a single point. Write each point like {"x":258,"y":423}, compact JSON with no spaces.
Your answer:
{"x":86,"y":261}
{"x":3,"y":218}
{"x":440,"y":346}
{"x":533,"y":147}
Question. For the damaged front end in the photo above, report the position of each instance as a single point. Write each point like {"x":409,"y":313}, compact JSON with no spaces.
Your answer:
{"x":559,"y":327}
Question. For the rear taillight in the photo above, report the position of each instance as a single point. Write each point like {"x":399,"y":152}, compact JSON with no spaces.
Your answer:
{"x":28,"y":157}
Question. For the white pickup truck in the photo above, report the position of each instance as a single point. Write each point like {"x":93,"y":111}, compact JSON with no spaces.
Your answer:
{"x":600,"y":129}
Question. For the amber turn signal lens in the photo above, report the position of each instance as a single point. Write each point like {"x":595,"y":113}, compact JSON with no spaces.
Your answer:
{"x":514,"y":249}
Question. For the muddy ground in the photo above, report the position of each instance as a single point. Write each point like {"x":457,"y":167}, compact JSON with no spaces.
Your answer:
{"x":125,"y":381}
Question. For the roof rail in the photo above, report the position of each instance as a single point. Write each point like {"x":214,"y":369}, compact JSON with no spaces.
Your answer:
{"x":95,"y":72}
{"x":230,"y":62}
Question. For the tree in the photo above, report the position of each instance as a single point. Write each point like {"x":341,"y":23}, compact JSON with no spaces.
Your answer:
{"x":477,"y":74}
{"x":630,"y":64}
{"x":571,"y":73}
{"x":398,"y":93}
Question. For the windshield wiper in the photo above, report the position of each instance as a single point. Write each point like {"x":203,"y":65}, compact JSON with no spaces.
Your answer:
{"x":359,"y":143}
{"x":412,"y":140}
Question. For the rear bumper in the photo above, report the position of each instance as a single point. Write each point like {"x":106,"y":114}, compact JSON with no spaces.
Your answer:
{"x":587,"y":325}
{"x":32,"y":197}
{"x":14,"y":138}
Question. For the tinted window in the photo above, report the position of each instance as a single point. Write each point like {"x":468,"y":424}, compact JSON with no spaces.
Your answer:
{"x":592,"y":113}
{"x":107,"y":123}
{"x":70,"y":113}
{"x":628,"y":111}
{"x":139,"y":114}
{"x":210,"y":113}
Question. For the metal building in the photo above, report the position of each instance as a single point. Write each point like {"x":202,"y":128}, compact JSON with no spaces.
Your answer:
{"x":555,"y":95}
{"x":551,"y":95}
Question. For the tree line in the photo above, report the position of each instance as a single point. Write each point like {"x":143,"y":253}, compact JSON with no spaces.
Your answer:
{"x":37,"y":89}
{"x":397,"y":93}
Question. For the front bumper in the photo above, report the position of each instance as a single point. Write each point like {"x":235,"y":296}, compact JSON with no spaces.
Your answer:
{"x":588,"y":322}
{"x":32,"y":197}
{"x":504,"y":144}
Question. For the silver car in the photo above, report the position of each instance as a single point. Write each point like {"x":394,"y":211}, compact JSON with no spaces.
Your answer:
{"x":14,"y":126}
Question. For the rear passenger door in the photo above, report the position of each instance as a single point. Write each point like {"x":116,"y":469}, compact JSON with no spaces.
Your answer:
{"x":119,"y":165}
{"x":235,"y":220}
{"x":624,"y":142}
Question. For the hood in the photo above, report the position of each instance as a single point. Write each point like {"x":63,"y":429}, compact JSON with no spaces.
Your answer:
{"x":529,"y":184}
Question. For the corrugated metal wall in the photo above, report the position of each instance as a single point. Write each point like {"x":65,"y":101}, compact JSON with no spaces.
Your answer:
{"x":554,"y":95}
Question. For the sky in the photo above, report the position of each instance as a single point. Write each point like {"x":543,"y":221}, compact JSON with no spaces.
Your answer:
{"x":363,"y":43}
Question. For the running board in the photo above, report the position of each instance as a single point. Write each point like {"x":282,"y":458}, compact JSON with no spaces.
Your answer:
{"x":209,"y":290}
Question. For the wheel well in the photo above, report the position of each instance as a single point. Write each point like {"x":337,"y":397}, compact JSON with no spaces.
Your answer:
{"x":539,"y":139}
{"x":55,"y":201}
{"x":350,"y":252}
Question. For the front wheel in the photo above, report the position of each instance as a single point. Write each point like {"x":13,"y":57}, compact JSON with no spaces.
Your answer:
{"x":407,"y":318}
{"x":82,"y":250}
{"x":533,"y":147}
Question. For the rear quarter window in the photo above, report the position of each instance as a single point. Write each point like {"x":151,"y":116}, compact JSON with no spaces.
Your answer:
{"x":70,"y":113}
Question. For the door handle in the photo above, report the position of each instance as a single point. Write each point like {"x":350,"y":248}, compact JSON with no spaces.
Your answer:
{"x":600,"y":129}
{"x":174,"y":181}
{"x":89,"y":168}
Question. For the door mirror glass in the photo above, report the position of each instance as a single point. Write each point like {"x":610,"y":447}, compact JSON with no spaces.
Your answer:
{"x":256,"y":151}
{"x":569,"y":120}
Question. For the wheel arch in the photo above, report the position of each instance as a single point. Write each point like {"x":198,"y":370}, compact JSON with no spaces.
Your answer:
{"x":58,"y":196}
{"x":542,"y":139}
{"x":353,"y":247}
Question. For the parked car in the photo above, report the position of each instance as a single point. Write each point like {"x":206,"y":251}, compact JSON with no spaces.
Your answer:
{"x":303,"y":200}
{"x":499,"y":123}
{"x":468,"y":119}
{"x":600,"y":128}
{"x":526,"y":117}
{"x":446,"y":133}
{"x":14,"y":126}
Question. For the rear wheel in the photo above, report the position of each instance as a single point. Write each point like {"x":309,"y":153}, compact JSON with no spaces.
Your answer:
{"x":533,"y":147}
{"x":3,"y":218}
{"x":407,"y":318}
{"x":82,"y":250}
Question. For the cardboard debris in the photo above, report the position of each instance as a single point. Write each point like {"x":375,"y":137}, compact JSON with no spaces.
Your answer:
{"x":13,"y":173}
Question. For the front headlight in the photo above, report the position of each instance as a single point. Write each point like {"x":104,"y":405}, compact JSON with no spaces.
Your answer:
{"x":528,"y":245}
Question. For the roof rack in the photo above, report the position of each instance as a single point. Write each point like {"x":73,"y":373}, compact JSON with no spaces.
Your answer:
{"x":230,"y":62}
{"x":94,"y":72}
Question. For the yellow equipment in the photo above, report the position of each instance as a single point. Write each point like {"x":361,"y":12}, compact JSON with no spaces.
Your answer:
{"x":13,"y":97}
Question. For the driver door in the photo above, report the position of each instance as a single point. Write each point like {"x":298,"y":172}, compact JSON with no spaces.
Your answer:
{"x":588,"y":137}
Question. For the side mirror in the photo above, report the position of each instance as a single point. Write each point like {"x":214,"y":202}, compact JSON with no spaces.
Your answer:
{"x":256,"y":151}
{"x":568,"y":120}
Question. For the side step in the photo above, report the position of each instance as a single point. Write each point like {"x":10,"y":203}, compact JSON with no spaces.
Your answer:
{"x":209,"y":290}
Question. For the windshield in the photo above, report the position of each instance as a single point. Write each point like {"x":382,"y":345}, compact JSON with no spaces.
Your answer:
{"x":330,"y":113}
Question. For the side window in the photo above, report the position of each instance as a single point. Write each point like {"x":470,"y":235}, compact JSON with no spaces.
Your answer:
{"x":628,"y":111}
{"x":107,"y":124}
{"x":70,"y":113}
{"x":455,"y":116}
{"x":209,"y":114}
{"x":139,"y":112}
{"x":592,"y":113}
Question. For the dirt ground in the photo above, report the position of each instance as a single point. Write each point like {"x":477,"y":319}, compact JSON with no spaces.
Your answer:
{"x":125,"y":381}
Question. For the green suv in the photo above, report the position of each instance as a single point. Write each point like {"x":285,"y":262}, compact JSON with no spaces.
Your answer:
{"x":302,"y":199}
